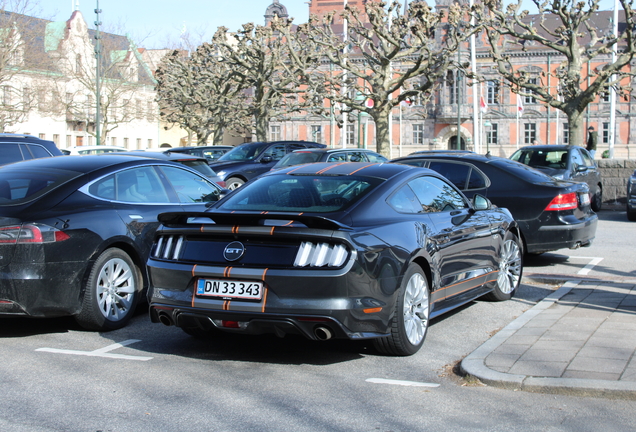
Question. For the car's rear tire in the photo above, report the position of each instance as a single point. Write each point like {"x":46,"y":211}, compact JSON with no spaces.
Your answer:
{"x":234,"y":183}
{"x":631,"y":214}
{"x":597,"y":200}
{"x":411,"y":315}
{"x":510,"y":269}
{"x":111,"y":293}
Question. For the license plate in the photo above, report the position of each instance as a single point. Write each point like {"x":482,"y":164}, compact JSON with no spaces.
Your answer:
{"x":585,"y":199}
{"x":230,"y":289}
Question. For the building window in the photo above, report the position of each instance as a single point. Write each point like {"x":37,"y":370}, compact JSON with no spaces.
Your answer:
{"x":113,"y":141}
{"x":68,"y":141}
{"x":274,"y":133}
{"x":140,"y":113}
{"x":56,"y":139}
{"x":606,"y":133}
{"x":42,"y":136}
{"x":6,"y":95}
{"x":418,"y":134}
{"x":605,"y":96}
{"x":138,"y":143}
{"x":530,"y":99}
{"x":316,"y":133}
{"x":126,"y":142}
{"x":351,"y":134}
{"x":151,"y":111}
{"x":149,"y":143}
{"x":566,"y":133}
{"x":90,"y":140}
{"x":26,"y":96}
{"x":492,"y":134}
{"x":530,"y":132}
{"x":78,"y":63}
{"x":492,"y":94}
{"x":451,"y":83}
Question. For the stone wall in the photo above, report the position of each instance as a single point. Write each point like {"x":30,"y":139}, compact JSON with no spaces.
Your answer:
{"x":615,"y":173}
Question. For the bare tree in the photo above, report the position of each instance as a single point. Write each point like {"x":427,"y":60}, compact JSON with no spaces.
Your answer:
{"x":386,"y":57}
{"x":125,"y":88}
{"x":571,"y":29}
{"x":259,"y":57}
{"x":201,"y":94}
{"x":19,"y":33}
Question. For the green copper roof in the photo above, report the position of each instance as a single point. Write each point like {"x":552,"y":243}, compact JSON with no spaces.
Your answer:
{"x":53,"y":35}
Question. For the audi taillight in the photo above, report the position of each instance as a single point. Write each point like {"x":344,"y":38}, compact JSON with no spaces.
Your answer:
{"x":31,"y":234}
{"x":567,"y":201}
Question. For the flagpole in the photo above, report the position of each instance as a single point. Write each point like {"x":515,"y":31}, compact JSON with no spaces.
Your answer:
{"x":473,"y":65}
{"x":345,"y":32}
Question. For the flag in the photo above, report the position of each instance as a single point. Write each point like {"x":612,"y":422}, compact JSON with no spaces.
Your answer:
{"x":519,"y":106}
{"x":483,"y":106}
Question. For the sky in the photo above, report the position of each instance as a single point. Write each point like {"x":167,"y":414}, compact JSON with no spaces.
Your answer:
{"x":159,"y":23}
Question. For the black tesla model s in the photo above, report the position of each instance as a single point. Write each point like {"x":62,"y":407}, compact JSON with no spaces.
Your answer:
{"x":75,"y":232}
{"x":351,"y":250}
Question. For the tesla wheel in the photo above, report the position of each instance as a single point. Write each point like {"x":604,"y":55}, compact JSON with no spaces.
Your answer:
{"x":410,"y":320}
{"x":510,"y":269}
{"x":597,"y":200}
{"x":111,"y":293}
{"x":234,"y":183}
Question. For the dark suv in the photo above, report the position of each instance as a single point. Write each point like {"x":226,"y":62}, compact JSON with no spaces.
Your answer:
{"x":17,"y":147}
{"x":250,"y":160}
{"x":211,"y":153}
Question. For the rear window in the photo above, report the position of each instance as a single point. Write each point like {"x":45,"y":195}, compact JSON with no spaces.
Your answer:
{"x":522,"y":171}
{"x":18,"y":186}
{"x":285,"y":193}
{"x":200,"y":166}
{"x":298,"y":158}
{"x":10,"y":153}
{"x":556,"y":159}
{"x":245,"y":152}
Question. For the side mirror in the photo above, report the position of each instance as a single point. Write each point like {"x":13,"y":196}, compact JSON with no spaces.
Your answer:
{"x":581,"y":168}
{"x":266,"y":159}
{"x":480,"y":202}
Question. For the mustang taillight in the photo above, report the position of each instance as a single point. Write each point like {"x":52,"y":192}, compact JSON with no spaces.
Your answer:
{"x":168,"y":247}
{"x":567,"y":201}
{"x":320,"y":254}
{"x":31,"y":234}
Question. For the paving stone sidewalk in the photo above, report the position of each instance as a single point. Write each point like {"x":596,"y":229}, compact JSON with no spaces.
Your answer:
{"x":580,"y":340}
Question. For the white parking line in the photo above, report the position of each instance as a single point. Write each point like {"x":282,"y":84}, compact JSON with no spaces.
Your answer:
{"x":402,"y":383}
{"x":102,"y":352}
{"x":593,"y":262}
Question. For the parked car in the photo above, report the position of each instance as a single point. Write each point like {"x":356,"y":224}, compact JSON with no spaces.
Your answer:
{"x":352,"y":250}
{"x":211,"y":153}
{"x":565,"y":162}
{"x":552,"y":214}
{"x":247,"y":161}
{"x":93,"y":150}
{"x":16,"y":147}
{"x":76,"y":231}
{"x":631,"y":197}
{"x":298,"y":157}
{"x":197,"y":163}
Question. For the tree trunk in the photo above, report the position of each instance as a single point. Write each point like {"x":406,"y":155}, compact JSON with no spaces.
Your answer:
{"x":262,"y":125}
{"x":382,"y":139}
{"x":576,"y":128}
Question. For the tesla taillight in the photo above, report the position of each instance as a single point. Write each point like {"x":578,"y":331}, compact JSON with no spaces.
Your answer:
{"x":31,"y":234}
{"x":567,"y":201}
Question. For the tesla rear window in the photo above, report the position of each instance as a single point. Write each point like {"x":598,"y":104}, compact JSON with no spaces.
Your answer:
{"x":316,"y":194}
{"x":19,"y":186}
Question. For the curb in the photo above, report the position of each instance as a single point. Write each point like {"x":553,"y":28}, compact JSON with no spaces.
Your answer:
{"x":474,"y":363}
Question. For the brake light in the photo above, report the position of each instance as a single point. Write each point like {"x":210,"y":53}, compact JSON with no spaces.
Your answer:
{"x":320,"y":254}
{"x":31,"y":234}
{"x":221,"y":183}
{"x":567,"y":201}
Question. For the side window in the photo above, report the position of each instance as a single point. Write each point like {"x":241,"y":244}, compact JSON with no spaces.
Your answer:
{"x":435,"y":195}
{"x":589,"y":162}
{"x":38,"y":151}
{"x":355,"y":157}
{"x":190,"y":188}
{"x":137,"y":185}
{"x":337,"y":157}
{"x":404,"y":201}
{"x":10,"y":153}
{"x":576,"y":159}
{"x":374,"y":157}
{"x":26,"y":154}
{"x":456,"y":173}
{"x":276,"y":152}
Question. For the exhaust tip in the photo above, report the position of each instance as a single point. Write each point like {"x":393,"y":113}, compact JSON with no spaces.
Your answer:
{"x":165,"y":319}
{"x":323,"y":333}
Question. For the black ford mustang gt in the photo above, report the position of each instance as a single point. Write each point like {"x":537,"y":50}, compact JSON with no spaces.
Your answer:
{"x":351,"y":250}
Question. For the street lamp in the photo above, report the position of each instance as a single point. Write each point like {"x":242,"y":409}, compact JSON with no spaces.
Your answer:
{"x":98,"y":57}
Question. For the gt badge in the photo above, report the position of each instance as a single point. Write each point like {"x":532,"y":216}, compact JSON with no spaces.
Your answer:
{"x":233,"y":251}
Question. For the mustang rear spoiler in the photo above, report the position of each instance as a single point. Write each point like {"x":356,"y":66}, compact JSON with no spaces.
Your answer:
{"x":253,"y":219}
